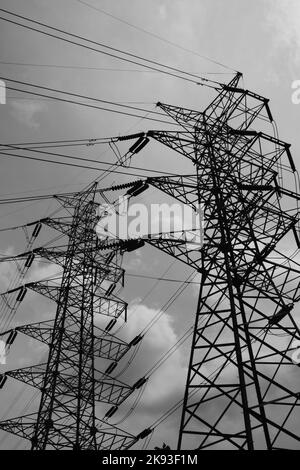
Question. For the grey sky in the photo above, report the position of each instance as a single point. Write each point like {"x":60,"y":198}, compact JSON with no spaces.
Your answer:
{"x":261,"y":39}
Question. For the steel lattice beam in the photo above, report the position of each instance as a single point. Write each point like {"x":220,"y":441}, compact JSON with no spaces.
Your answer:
{"x":69,"y":383}
{"x":239,"y":391}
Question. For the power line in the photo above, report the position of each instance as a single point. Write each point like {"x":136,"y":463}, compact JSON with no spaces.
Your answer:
{"x":26,"y":195}
{"x":168,"y":304}
{"x":113,"y":103}
{"x":90,"y":105}
{"x":138,"y":28}
{"x":29,"y":146}
{"x":102,"y":52}
{"x":205,"y":81}
{"x":18,"y":98}
{"x":78,"y":67}
{"x":84,"y":97}
{"x":34,"y":198}
{"x":70,"y":157}
{"x":48,"y":196}
{"x":64,"y":141}
{"x":161,"y":278}
{"x":101,"y":69}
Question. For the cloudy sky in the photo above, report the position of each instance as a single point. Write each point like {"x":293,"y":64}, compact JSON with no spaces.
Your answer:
{"x":261,"y":39}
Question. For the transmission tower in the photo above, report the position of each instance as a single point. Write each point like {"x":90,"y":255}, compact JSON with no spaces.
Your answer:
{"x":242,"y":389}
{"x":70,"y":384}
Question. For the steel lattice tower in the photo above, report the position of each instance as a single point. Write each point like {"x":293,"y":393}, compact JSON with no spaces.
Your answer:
{"x":242,"y":389}
{"x":69,"y":382}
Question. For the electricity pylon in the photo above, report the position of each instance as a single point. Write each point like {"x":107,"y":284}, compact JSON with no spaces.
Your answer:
{"x":242,"y":389}
{"x":70,"y":384}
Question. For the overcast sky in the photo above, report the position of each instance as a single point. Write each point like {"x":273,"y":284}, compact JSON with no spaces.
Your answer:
{"x":261,"y":39}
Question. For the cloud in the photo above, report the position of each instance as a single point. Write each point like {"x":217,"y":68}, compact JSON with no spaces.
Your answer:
{"x":157,"y":340}
{"x":26,"y":112}
{"x":282,"y":20}
{"x":40,"y":272}
{"x":165,"y":386}
{"x":134,"y":262}
{"x":285,"y":19}
{"x":169,"y":377}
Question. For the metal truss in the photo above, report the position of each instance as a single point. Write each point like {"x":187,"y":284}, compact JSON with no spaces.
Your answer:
{"x":69,"y":382}
{"x":242,"y":389}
